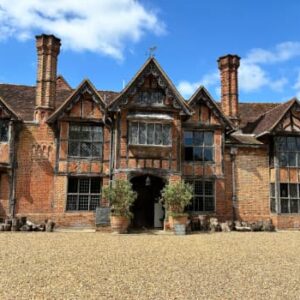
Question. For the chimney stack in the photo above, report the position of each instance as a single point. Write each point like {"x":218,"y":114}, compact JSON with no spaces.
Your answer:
{"x":228,"y":66}
{"x":48,"y":47}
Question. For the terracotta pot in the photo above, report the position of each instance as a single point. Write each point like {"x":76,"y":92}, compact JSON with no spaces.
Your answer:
{"x":119,"y":224}
{"x":177,"y":220}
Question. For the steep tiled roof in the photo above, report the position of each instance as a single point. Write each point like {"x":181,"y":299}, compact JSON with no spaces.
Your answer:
{"x":21,"y":98}
{"x":269,"y":120}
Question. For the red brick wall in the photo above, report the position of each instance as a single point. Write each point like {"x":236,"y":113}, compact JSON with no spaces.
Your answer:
{"x":252,"y":184}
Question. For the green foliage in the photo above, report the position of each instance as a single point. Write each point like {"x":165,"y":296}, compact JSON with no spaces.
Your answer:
{"x":121,"y":197}
{"x":176,"y":196}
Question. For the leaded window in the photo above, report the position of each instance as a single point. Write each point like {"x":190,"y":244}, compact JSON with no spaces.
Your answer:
{"x":156,"y":134}
{"x":198,"y":146}
{"x":287,"y":149}
{"x":3,"y":131}
{"x":85,"y":141}
{"x":83,"y":193}
{"x":203,"y":196}
{"x":289,"y":198}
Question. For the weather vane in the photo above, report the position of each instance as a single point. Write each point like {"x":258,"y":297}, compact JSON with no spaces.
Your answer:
{"x":152,"y":51}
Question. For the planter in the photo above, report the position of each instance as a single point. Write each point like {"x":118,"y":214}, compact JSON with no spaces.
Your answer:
{"x":182,"y":220}
{"x":119,"y":224}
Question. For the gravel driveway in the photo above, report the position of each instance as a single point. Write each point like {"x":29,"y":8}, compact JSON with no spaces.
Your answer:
{"x":80,"y":265}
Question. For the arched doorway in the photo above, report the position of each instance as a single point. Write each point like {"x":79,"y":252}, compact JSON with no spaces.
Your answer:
{"x":147,"y":211}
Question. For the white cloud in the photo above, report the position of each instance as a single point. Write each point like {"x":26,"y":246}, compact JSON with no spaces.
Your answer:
{"x":253,"y":75}
{"x":98,"y":26}
{"x":187,"y":88}
{"x":282,"y":52}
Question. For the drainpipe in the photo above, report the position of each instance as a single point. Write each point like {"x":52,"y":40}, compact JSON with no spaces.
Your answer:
{"x":233,"y":153}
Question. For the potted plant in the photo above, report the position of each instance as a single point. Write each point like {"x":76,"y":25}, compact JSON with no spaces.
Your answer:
{"x":121,"y":197}
{"x":175,"y":197}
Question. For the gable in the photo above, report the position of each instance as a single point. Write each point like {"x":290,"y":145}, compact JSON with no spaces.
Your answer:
{"x":290,"y":121}
{"x":6,"y":112}
{"x":206,"y":110}
{"x":150,"y":88}
{"x":84,"y":103}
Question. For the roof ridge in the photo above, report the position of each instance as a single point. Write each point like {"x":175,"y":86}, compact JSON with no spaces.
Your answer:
{"x":16,"y":84}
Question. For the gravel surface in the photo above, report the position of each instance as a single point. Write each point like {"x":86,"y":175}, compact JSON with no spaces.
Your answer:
{"x":81,"y":265}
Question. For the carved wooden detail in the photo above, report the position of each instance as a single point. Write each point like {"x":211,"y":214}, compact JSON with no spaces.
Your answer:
{"x":291,"y":121}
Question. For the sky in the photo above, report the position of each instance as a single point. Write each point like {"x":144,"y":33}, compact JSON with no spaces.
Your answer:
{"x":108,"y":41}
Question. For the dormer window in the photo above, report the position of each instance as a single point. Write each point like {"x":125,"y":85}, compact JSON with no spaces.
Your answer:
{"x":3,"y":130}
{"x":151,"y":134}
{"x":85,"y":141}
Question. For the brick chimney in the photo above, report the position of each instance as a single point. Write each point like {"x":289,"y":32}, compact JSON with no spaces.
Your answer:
{"x":48,"y":47}
{"x":228,"y":66}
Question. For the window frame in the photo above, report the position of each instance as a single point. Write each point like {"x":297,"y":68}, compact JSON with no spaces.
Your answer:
{"x":202,"y":146}
{"x":78,"y":194}
{"x":4,"y":123}
{"x":203,"y":195}
{"x":147,"y":125}
{"x":286,"y":153}
{"x":80,"y":141}
{"x":277,"y":204}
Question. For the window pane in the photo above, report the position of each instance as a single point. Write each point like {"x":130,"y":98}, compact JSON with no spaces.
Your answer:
{"x":208,"y":188}
{"x":72,"y":202}
{"x":158,"y":134}
{"x":283,"y":159}
{"x":199,"y":204}
{"x":95,"y":185}
{"x":208,"y":154}
{"x":3,"y":131}
{"x":198,"y":187}
{"x":198,"y":153}
{"x":95,"y":201}
{"x":97,"y":134}
{"x":283,"y":190}
{"x":84,"y":185}
{"x":298,"y":143}
{"x":209,"y":204}
{"x":86,"y":133}
{"x":293,"y":190}
{"x":292,"y":159}
{"x":291,"y":143}
{"x":73,"y":185}
{"x":284,"y":205}
{"x":273,"y":205}
{"x":198,"y":138}
{"x":294,"y":205}
{"x":142,"y":133}
{"x":272,"y":191}
{"x":188,"y":138}
{"x":167,"y":134}
{"x":83,"y":203}
{"x":134,"y":133}
{"x":85,"y":149}
{"x":188,"y":153}
{"x":150,"y":134}
{"x":74,"y":148}
{"x":96,"y":149}
{"x":208,"y":138}
{"x":280,"y":143}
{"x":74,"y":132}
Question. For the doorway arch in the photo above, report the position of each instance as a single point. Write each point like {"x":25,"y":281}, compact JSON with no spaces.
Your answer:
{"x":147,"y":211}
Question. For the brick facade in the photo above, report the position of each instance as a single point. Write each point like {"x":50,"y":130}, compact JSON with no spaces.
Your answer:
{"x":36,"y":161}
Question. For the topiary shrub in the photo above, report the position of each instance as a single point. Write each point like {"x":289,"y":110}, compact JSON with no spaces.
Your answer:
{"x":121,"y":197}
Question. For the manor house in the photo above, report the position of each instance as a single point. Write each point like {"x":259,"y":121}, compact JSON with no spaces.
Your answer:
{"x":60,"y":145}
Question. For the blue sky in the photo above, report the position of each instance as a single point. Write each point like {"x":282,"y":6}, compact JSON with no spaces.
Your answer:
{"x":107,"y":41}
